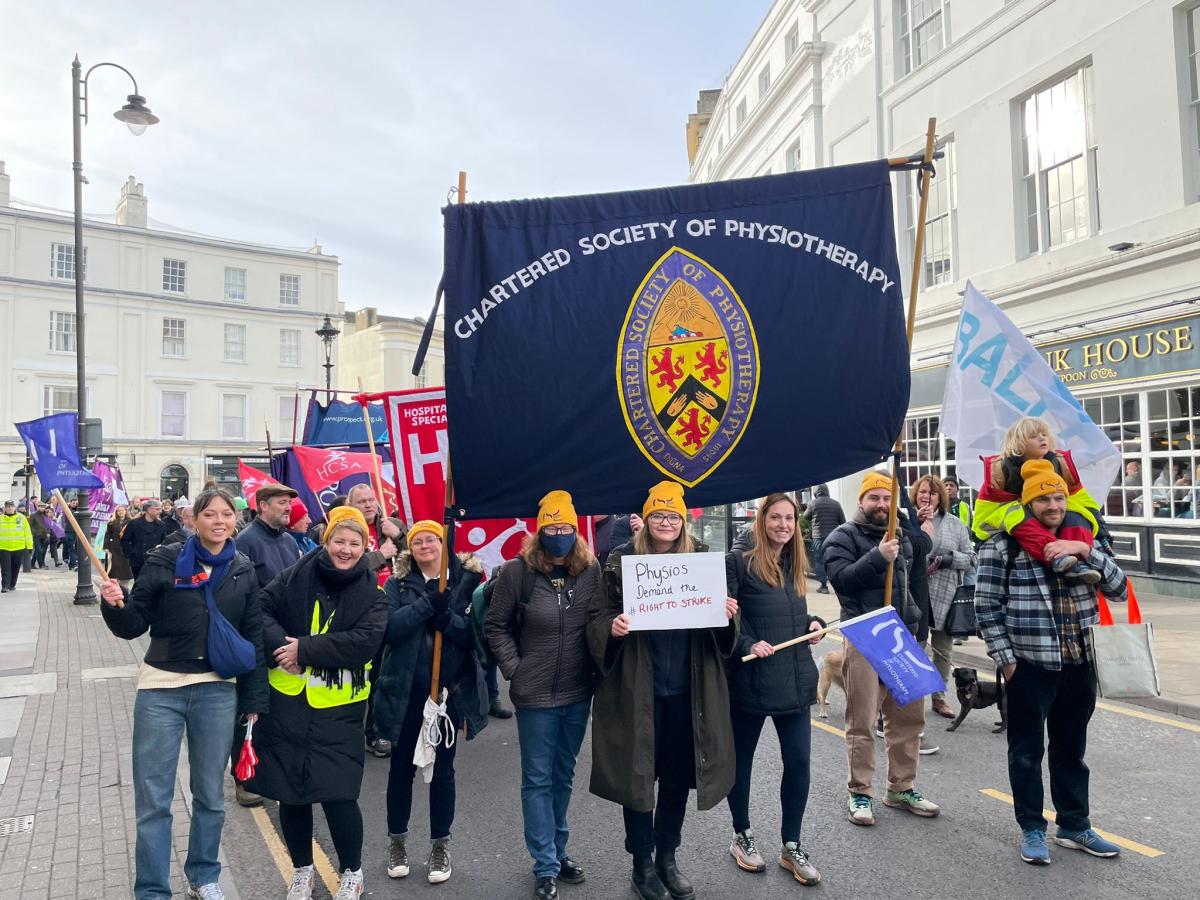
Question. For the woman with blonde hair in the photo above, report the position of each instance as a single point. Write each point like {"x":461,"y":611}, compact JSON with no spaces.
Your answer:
{"x":118,"y":565}
{"x":536,"y":628}
{"x":949,"y":561}
{"x":661,"y":709}
{"x":323,"y":620}
{"x":769,"y":583}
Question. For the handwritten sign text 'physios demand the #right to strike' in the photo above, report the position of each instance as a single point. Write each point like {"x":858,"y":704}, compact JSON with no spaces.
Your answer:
{"x":674,"y":590}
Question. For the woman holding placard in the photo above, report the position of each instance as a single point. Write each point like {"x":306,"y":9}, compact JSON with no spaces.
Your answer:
{"x":769,"y":584}
{"x":661,"y":709}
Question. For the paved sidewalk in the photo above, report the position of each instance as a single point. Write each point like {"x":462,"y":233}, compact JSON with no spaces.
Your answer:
{"x":66,"y":724}
{"x":1176,"y":628}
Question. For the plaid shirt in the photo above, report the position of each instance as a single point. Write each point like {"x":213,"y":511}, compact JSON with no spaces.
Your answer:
{"x":1018,"y":620}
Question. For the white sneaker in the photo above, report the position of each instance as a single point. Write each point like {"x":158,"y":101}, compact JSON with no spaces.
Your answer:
{"x":302,"y":884}
{"x":351,"y":887}
{"x":210,"y":891}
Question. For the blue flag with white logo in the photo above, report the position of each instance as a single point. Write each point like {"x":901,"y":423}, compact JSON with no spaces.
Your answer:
{"x":894,"y":654}
{"x":54,"y":449}
{"x":738,"y":337}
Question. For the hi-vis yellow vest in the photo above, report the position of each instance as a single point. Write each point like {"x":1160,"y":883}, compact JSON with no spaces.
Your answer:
{"x":319,"y":694}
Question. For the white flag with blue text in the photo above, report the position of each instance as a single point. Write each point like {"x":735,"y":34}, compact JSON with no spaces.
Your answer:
{"x":996,"y":377}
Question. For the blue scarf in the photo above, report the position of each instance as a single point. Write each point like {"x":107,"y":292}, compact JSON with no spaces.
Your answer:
{"x":189,"y":573}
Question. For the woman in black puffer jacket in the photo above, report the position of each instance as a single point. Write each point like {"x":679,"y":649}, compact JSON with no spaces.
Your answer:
{"x":417,"y":611}
{"x":768,"y":583}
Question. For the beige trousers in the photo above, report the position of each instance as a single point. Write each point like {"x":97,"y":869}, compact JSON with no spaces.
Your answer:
{"x":902,"y":726}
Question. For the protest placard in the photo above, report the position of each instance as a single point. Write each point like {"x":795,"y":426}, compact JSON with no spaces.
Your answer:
{"x":674,"y":590}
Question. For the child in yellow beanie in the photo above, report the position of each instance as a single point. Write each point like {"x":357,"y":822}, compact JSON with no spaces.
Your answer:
{"x":1001,"y":506}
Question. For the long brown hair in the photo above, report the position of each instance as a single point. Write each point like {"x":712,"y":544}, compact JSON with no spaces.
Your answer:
{"x":763,"y":562}
{"x":538,"y":560}
{"x":683,"y":543}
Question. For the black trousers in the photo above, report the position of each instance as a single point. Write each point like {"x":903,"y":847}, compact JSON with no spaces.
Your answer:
{"x":1059,"y":704}
{"x":675,"y":768}
{"x":345,"y":827}
{"x":10,"y":567}
{"x":795,"y":742}
{"x":402,"y":773}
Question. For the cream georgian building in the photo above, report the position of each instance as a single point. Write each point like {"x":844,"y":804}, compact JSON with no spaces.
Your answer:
{"x":380,"y":350}
{"x":193,"y":344}
{"x":1068,"y":193}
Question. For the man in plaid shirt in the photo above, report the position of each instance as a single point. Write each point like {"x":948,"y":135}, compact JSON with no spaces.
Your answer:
{"x":1033,"y":623}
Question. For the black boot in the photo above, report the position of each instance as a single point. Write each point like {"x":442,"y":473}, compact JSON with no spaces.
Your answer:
{"x":646,"y":883}
{"x":546,"y":889}
{"x":668,"y":872}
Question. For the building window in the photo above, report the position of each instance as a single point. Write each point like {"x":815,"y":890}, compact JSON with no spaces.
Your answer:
{"x":174,"y":276}
{"x":235,"y":284}
{"x":941,"y":218}
{"x":794,"y":158}
{"x":174,"y":337}
{"x":1192,"y":17}
{"x":791,"y":42}
{"x":233,"y":417}
{"x":287,"y":419}
{"x":924,"y":27}
{"x":764,"y":81}
{"x":62,"y":262}
{"x":739,"y":115}
{"x":421,"y":379}
{"x":235,"y":343}
{"x":928,"y":452}
{"x":289,"y":290}
{"x":173,"y":414}
{"x":62,"y":331}
{"x":57,"y":399}
{"x":1058,"y":157}
{"x":289,"y":347}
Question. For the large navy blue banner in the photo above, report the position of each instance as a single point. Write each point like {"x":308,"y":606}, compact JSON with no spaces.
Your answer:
{"x":738,"y":337}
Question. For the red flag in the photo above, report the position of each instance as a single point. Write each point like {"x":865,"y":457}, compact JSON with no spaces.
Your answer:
{"x":252,"y":479}
{"x":322,"y":468}
{"x":417,"y":430}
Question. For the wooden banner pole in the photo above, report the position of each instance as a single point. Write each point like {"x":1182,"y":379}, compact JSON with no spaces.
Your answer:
{"x":448,"y":522}
{"x":914,"y":288}
{"x":376,"y":467}
{"x":82,"y":539}
{"x":811,"y":636}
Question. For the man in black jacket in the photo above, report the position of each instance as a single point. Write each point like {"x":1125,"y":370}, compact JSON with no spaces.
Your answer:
{"x":824,"y":515}
{"x":857,"y":557}
{"x":266,"y":540}
{"x":144,"y":534}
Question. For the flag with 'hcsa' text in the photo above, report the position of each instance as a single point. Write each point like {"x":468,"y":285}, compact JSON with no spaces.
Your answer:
{"x":53,"y":446}
{"x":738,"y":337}
{"x":894,"y":654}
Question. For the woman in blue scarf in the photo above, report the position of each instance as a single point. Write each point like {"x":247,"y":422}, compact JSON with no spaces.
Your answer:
{"x":178,"y":690}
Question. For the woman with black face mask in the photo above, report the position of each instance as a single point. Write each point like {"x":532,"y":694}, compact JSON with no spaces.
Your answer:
{"x":536,"y":628}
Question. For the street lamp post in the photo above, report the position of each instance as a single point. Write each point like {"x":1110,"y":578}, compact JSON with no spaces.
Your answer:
{"x":137,"y":117}
{"x":327,"y":333}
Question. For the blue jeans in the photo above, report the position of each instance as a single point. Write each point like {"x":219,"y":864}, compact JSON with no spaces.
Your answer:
{"x":550,"y":741}
{"x":818,"y":562}
{"x":160,"y":716}
{"x":70,"y":549}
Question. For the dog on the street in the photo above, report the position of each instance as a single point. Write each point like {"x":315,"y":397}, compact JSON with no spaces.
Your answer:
{"x":976,"y":694}
{"x":831,"y":673}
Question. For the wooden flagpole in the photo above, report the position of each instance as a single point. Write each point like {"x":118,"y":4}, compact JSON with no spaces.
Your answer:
{"x":810,"y":636}
{"x":914,"y":288}
{"x":376,"y":466}
{"x":448,"y":522}
{"x":82,"y":539}
{"x":270,"y":449}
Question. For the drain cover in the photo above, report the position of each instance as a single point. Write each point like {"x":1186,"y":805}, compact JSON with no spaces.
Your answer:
{"x":17,"y":825}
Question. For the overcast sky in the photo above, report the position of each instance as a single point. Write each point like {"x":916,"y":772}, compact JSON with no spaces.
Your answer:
{"x":288,"y":121}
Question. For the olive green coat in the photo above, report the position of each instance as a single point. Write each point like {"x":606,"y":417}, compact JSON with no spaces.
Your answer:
{"x":623,"y":706}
